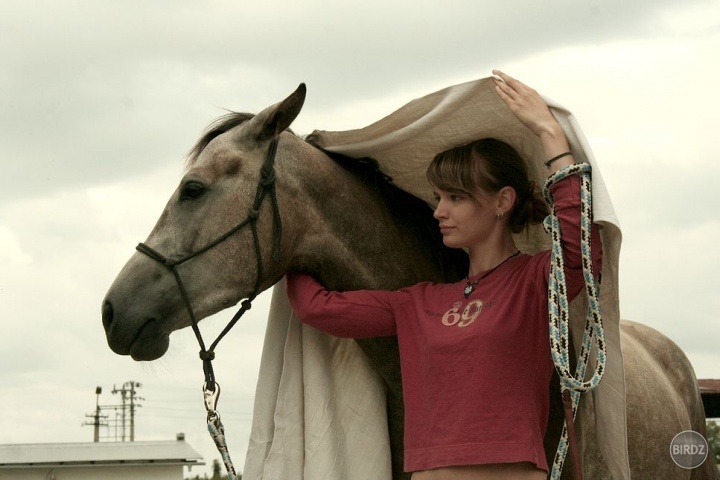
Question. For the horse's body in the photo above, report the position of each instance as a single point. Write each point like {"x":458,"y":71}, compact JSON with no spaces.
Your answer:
{"x":351,"y":231}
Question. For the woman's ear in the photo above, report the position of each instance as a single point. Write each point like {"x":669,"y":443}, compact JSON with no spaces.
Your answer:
{"x":506,"y":197}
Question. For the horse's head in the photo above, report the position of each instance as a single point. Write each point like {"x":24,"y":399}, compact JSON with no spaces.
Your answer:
{"x":217,"y":233}
{"x":242,"y":216}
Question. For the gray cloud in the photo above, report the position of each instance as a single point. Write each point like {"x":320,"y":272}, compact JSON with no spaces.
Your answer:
{"x":103,"y":91}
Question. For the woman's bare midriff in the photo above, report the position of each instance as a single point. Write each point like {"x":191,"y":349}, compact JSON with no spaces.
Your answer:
{"x":494,"y":471}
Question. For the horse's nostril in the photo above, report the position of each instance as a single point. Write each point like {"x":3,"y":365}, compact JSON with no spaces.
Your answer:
{"x":107,"y":315}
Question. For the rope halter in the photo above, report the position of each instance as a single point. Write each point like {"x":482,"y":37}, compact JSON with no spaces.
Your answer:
{"x":211,"y":390}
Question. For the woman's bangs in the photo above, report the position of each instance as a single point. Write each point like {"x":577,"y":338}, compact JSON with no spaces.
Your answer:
{"x":450,"y":171}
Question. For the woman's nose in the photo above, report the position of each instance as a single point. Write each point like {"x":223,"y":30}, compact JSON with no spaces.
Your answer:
{"x":439,"y":210}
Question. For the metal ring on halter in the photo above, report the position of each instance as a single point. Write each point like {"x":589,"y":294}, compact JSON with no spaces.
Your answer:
{"x":211,"y":397}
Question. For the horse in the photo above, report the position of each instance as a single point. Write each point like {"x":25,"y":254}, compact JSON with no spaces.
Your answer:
{"x":370,"y":235}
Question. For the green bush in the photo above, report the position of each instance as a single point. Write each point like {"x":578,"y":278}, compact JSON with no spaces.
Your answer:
{"x":713,"y":439}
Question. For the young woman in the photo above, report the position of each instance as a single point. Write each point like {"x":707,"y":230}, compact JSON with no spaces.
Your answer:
{"x":475,"y":354}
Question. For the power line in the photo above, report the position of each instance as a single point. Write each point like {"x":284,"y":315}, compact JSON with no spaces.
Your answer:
{"x":125,"y":413}
{"x":129,"y":399}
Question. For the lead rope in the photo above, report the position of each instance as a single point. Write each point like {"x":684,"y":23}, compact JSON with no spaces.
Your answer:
{"x":217,"y":430}
{"x":572,"y":385}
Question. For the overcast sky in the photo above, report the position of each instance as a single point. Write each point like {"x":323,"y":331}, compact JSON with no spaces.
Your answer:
{"x":100,"y":101}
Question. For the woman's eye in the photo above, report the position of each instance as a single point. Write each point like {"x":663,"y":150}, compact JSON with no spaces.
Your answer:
{"x":192,"y":191}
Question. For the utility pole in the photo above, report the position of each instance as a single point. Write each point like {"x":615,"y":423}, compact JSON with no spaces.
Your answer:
{"x":96,"y":435}
{"x":97,"y":422}
{"x":127,"y":409}
{"x":129,"y":399}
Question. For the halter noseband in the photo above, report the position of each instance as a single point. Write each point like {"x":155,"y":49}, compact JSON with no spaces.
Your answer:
{"x":266,"y":185}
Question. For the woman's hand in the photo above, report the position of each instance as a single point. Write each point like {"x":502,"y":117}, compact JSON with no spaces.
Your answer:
{"x":527,"y":104}
{"x":532,"y":111}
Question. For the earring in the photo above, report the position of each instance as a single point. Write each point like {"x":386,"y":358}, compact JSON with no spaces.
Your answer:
{"x":500,"y":215}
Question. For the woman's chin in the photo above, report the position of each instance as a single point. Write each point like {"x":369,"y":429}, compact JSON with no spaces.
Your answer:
{"x":452,"y":243}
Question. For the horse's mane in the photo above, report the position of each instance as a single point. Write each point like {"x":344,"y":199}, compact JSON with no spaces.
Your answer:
{"x":219,"y":126}
{"x":406,"y":208}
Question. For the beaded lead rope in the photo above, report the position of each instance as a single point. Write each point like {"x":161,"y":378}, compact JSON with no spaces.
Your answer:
{"x":216,"y":428}
{"x":559,"y":307}
{"x":217,"y":432}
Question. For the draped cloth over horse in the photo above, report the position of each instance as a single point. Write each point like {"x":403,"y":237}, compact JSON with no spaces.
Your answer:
{"x":320,"y":408}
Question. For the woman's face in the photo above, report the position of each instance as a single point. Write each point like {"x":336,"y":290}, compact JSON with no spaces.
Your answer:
{"x":465,"y":220}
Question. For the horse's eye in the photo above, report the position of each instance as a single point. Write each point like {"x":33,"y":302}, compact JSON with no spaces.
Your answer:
{"x":192,"y":191}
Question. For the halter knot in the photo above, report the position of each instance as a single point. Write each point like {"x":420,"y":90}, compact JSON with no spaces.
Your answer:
{"x":246,"y":304}
{"x":268,"y":178}
{"x":207,"y":355}
{"x":253,"y":214}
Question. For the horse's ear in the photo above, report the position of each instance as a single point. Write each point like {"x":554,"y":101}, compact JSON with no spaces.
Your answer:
{"x":275,"y":119}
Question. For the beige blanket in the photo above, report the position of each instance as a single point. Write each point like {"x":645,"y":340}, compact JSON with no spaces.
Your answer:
{"x":319,"y":408}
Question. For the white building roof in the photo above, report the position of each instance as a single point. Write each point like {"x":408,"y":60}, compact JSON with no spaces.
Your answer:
{"x":107,"y":453}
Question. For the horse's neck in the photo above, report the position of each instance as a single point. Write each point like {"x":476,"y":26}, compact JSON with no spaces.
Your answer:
{"x":363,"y":244}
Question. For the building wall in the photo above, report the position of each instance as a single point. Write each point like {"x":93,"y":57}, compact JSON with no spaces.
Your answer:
{"x":99,"y":472}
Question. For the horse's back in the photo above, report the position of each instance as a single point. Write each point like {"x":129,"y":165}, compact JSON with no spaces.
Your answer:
{"x":669,"y":376}
{"x":663,"y":402}
{"x":663,"y":399}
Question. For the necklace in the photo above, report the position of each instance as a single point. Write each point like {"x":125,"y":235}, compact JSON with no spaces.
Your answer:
{"x":471,"y":285}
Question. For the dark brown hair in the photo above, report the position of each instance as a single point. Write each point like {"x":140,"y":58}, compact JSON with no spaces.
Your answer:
{"x":489,"y":165}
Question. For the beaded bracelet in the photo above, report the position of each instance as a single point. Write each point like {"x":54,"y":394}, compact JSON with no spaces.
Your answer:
{"x":550,"y":162}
